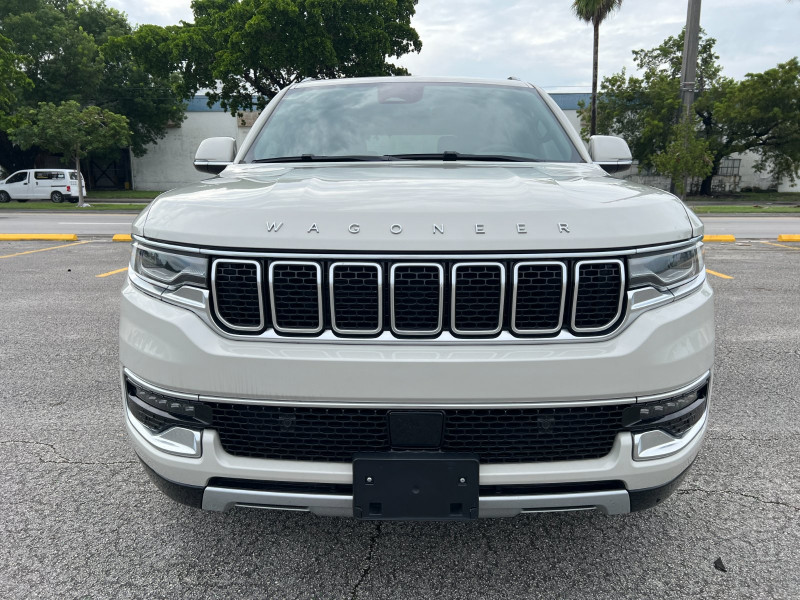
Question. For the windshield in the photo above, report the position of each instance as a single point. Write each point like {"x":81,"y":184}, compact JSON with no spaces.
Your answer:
{"x":420,"y":120}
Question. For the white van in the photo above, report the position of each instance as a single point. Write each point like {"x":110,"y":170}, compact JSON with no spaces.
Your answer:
{"x":40,"y":184}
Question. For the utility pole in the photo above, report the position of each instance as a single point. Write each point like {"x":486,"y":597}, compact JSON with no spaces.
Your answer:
{"x":691,"y":40}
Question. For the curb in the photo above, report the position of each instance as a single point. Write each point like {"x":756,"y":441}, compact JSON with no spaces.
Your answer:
{"x":719,"y":238}
{"x":789,"y":237}
{"x":121,"y":237}
{"x":52,"y":237}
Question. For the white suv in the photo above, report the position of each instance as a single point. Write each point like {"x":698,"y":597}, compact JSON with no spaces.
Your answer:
{"x":415,"y":298}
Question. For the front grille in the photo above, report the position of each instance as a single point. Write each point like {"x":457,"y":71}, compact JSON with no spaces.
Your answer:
{"x":495,"y":435}
{"x":422,"y":299}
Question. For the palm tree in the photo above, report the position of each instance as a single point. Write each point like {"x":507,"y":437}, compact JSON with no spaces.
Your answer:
{"x":594,"y":12}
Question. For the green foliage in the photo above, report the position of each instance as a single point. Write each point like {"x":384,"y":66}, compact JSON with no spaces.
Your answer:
{"x":15,"y":83}
{"x":247,"y":48}
{"x":760,"y":114}
{"x":72,"y":131}
{"x":686,"y":155}
{"x":71,"y":50}
{"x":594,"y":11}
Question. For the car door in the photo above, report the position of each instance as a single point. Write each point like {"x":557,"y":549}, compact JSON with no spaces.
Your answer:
{"x":17,"y":185}
{"x":42,"y":184}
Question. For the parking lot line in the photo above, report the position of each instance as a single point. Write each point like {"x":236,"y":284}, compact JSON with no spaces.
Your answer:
{"x":112,"y":272}
{"x":38,"y":237}
{"x":718,"y":274}
{"x":789,"y":237}
{"x":45,"y":249}
{"x":719,"y":238}
{"x":782,"y":245}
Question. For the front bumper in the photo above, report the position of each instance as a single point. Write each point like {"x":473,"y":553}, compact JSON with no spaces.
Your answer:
{"x":171,"y":348}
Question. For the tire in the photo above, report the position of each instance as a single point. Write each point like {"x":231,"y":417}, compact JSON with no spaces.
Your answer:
{"x":4,"y":197}
{"x":57,"y":197}
{"x":22,"y":199}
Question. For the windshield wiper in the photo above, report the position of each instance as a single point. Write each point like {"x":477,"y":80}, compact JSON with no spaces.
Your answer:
{"x":453,"y":156}
{"x":325,"y":158}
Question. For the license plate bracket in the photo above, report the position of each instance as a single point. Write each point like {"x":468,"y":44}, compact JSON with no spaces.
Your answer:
{"x":416,"y":486}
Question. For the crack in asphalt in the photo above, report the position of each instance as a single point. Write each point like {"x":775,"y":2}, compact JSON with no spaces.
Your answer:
{"x":64,"y":459}
{"x":373,"y":540}
{"x":740,"y":494}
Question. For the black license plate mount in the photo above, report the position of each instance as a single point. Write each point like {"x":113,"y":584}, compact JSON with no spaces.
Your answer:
{"x":415,"y":486}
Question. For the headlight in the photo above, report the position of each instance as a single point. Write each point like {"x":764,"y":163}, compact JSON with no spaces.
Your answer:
{"x":168,"y":268}
{"x":666,"y":269}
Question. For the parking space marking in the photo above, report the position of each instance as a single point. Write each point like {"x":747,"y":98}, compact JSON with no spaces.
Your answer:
{"x":45,"y":249}
{"x":112,"y":272}
{"x":782,"y":245}
{"x":709,"y":271}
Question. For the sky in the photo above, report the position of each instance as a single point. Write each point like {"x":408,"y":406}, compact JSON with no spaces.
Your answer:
{"x":542,"y":42}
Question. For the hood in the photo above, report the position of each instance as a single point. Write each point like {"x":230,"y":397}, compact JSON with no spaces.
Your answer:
{"x":416,"y":207}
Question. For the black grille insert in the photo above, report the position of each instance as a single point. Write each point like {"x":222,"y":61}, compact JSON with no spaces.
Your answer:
{"x":478,"y":291}
{"x":296,"y":296}
{"x":355,"y":290}
{"x":416,"y":298}
{"x":237,"y":294}
{"x":539,"y":289}
{"x":598,"y":294}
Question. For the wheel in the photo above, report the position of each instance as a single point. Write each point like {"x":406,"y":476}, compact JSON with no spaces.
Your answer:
{"x":57,"y":197}
{"x":22,"y":199}
{"x":4,"y":197}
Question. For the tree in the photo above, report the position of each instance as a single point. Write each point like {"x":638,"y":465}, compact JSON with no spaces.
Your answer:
{"x":686,"y":155}
{"x":594,"y":12}
{"x":760,"y":114}
{"x":73,"y":132}
{"x":80,"y":58}
{"x":246,"y":51}
{"x":15,"y":82}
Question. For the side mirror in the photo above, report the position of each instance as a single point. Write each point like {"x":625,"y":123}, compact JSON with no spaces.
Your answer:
{"x":214,"y":154}
{"x":610,"y":152}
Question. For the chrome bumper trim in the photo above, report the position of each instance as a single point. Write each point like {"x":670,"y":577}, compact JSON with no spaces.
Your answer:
{"x":175,"y":440}
{"x":651,"y":445}
{"x":612,"y":502}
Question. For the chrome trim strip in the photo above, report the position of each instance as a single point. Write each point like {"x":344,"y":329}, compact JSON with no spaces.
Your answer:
{"x":514,"y":297}
{"x":178,"y":441}
{"x":696,"y":384}
{"x":383,"y":404}
{"x":379,"y":270}
{"x":611,"y":502}
{"x":319,"y":297}
{"x":431,"y":255}
{"x":441,"y":299}
{"x":259,"y":284}
{"x":576,"y":285}
{"x":651,"y":445}
{"x":453,"y":289}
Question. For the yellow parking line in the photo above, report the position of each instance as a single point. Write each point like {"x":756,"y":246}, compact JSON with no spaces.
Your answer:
{"x":44,"y":249}
{"x":112,"y":272}
{"x":47,"y":237}
{"x":121,"y":237}
{"x":719,"y":238}
{"x":768,"y":243}
{"x":789,"y":237}
{"x":718,"y":274}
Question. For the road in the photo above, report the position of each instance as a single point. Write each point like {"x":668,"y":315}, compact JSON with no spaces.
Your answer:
{"x":81,"y":519}
{"x":89,"y":224}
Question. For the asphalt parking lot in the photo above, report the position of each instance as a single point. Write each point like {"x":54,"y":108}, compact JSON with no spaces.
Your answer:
{"x":81,"y":520}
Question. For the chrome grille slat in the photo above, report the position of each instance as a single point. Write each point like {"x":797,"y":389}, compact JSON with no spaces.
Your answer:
{"x":422,"y":298}
{"x":238,"y":304}
{"x":603,"y":281}
{"x":354,"y":306}
{"x":544,"y":278}
{"x":481,"y":299}
{"x":297,"y":302}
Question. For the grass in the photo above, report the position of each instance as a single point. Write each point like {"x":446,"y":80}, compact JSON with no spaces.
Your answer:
{"x":734,"y":208}
{"x":66,"y":207}
{"x":750,"y":197}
